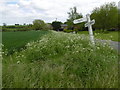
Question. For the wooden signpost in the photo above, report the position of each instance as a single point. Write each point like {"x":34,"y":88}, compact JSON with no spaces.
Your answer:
{"x":88,"y":24}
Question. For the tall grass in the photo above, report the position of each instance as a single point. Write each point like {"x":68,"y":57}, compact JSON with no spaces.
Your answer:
{"x":60,"y":60}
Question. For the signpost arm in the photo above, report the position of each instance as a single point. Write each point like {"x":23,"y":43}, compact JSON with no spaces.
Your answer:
{"x":90,"y":29}
{"x":88,"y":24}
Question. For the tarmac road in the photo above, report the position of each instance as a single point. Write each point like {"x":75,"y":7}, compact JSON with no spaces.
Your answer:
{"x":113,"y":44}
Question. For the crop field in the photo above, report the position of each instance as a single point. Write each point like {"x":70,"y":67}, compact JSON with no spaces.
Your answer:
{"x":61,"y":60}
{"x":13,"y":41}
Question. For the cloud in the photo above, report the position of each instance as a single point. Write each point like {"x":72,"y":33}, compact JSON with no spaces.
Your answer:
{"x":119,"y":5}
{"x":25,"y":11}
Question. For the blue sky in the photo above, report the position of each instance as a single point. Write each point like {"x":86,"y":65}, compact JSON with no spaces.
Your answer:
{"x":14,"y":2}
{"x":25,"y":11}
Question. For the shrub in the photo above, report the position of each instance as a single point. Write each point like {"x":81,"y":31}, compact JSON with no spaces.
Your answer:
{"x":68,"y":31}
{"x":39,"y":24}
{"x":56,"y":25}
{"x":47,"y":27}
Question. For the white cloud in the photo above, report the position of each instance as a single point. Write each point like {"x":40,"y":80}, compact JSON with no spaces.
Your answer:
{"x":25,"y":11}
{"x":119,"y":5}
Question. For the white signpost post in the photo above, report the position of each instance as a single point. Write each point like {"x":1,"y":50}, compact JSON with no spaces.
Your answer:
{"x":88,"y":24}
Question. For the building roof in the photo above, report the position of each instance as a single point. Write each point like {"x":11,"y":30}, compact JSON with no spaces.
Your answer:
{"x":64,"y":25}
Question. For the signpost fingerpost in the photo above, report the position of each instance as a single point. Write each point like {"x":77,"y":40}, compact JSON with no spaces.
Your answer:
{"x":88,"y":24}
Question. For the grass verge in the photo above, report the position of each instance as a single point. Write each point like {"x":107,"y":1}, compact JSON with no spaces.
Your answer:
{"x":112,"y":35}
{"x":62,"y":60}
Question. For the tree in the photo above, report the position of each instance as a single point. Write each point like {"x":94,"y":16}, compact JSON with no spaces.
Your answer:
{"x":4,"y":24}
{"x":72,"y":16}
{"x":39,"y":24}
{"x":56,"y":25}
{"x":106,"y":16}
{"x":48,"y":26}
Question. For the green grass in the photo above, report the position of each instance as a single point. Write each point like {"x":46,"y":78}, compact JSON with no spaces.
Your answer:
{"x":111,"y":35}
{"x":62,"y":60}
{"x":16,"y":40}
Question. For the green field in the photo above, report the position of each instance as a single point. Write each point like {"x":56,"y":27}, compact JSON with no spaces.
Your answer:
{"x":61,"y":60}
{"x":111,"y":35}
{"x":17,"y":40}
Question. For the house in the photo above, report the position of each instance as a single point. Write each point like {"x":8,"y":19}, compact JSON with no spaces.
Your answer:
{"x":64,"y":26}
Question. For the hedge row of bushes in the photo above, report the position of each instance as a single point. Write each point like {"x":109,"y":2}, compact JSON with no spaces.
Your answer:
{"x":37,"y":25}
{"x":17,"y":28}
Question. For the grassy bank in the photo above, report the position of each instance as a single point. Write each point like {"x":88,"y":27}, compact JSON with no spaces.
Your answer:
{"x":111,"y":35}
{"x":16,"y":40}
{"x":62,"y":60}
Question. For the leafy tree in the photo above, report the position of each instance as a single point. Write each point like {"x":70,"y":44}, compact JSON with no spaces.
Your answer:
{"x":48,"y":26}
{"x":56,"y":25}
{"x":106,"y":16}
{"x":72,"y":16}
{"x":39,"y":24}
{"x":4,"y":24}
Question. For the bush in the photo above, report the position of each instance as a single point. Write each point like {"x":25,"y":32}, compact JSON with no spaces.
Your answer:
{"x":68,"y":31}
{"x":47,"y":27}
{"x":39,"y":24}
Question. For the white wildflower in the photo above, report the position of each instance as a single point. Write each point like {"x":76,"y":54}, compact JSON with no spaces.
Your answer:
{"x":77,"y":51}
{"x":18,"y":62}
{"x":83,"y":48}
{"x":98,"y":47}
{"x":111,"y":36}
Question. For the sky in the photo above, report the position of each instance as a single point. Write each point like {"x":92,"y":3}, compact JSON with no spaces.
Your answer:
{"x":25,"y":11}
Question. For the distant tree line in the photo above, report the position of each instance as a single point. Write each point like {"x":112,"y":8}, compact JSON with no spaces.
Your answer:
{"x":17,"y":27}
{"x":37,"y":25}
